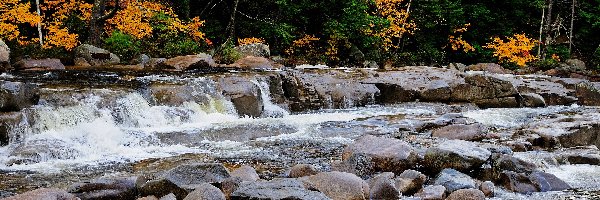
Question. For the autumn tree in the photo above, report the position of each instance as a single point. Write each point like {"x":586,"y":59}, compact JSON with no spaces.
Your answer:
{"x":14,"y":14}
{"x":98,"y":17}
{"x":516,"y":50}
{"x":397,"y":12}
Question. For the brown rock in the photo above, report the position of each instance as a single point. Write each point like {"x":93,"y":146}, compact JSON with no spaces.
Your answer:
{"x":517,"y":182}
{"x":381,"y":154}
{"x":44,"y":194}
{"x":338,"y":185}
{"x":472,"y":132}
{"x":301,"y":170}
{"x":43,"y":64}
{"x":246,"y":173}
{"x":432,"y":192}
{"x":382,"y":187}
{"x":189,"y":62}
{"x":205,"y":192}
{"x":488,"y":67}
{"x":487,"y":188}
{"x":588,"y":93}
{"x":466,"y":194}
{"x":410,"y":182}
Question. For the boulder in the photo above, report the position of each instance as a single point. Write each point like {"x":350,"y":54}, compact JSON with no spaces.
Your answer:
{"x":553,"y":92}
{"x":547,"y":182}
{"x":44,"y":194}
{"x":276,"y":189}
{"x":245,"y":95}
{"x":511,"y":163}
{"x":251,"y":62}
{"x":10,"y":122}
{"x":486,"y":91}
{"x":488,"y":67}
{"x":466,"y":194}
{"x":189,"y":62}
{"x":487,"y":188}
{"x":190,"y":176}
{"x":338,"y":185}
{"x":410,"y":182}
{"x":456,"y":154}
{"x":471,"y":132}
{"x":117,"y":189}
{"x":169,"y":196}
{"x":245,"y":173}
{"x":588,"y":93}
{"x":573,"y":65}
{"x":14,"y":96}
{"x":205,"y":191}
{"x":517,"y":182}
{"x":382,"y":187}
{"x":95,"y":56}
{"x":453,"y":180}
{"x":4,"y":56}
{"x":162,"y":187}
{"x":383,"y":154}
{"x":37,"y":65}
{"x":532,"y":100}
{"x":432,"y":192}
{"x":301,"y":170}
{"x":255,"y":49}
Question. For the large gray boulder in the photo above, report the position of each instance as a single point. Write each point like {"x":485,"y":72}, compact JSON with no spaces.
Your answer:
{"x":4,"y":56}
{"x":205,"y":192}
{"x":245,"y":95}
{"x":15,"y":96}
{"x":255,"y":49}
{"x":486,"y":91}
{"x":276,"y":189}
{"x":190,"y":176}
{"x":454,"y":180}
{"x":379,"y":155}
{"x":456,"y":154}
{"x":117,"y":189}
{"x":96,"y":57}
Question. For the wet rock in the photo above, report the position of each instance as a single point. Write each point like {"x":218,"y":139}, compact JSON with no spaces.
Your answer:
{"x":410,"y":182}
{"x":547,"y":182}
{"x":189,"y":176}
{"x":15,"y":96}
{"x":229,"y":185}
{"x":95,"y":56}
{"x":178,"y":94}
{"x":487,"y":188}
{"x":251,"y":62}
{"x":517,"y":182}
{"x":43,"y":64}
{"x":554,"y":93}
{"x":113,"y":189}
{"x":45,"y":194}
{"x":255,"y":49}
{"x":9,"y":123}
{"x":338,"y":185}
{"x":511,"y":163}
{"x":246,"y":173}
{"x":148,"y":198}
{"x":588,"y":94}
{"x":582,"y":156}
{"x":488,"y":67}
{"x":457,"y":66}
{"x":472,"y":132}
{"x":154,"y":63}
{"x":486,"y":92}
{"x":276,"y":189}
{"x":162,"y":187}
{"x":205,"y":192}
{"x":532,"y":100}
{"x":4,"y":56}
{"x":169,"y":196}
{"x":453,"y":180}
{"x":244,"y":94}
{"x":384,"y":154}
{"x":39,"y":150}
{"x":466,"y":194}
{"x":302,"y":170}
{"x":382,"y":186}
{"x":432,"y":192}
{"x":574,"y":65}
{"x":189,"y":62}
{"x":456,"y":154}
{"x":567,"y":132}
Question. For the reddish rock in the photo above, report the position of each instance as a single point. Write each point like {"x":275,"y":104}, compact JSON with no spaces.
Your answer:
{"x":43,"y":64}
{"x":44,"y":194}
{"x":251,"y":62}
{"x":189,"y":62}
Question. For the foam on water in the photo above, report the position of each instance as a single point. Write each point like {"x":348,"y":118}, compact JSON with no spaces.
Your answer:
{"x":513,"y":117}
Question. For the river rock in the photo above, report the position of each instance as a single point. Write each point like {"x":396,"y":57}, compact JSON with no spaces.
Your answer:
{"x":486,"y":91}
{"x":255,"y":49}
{"x":517,"y":182}
{"x":488,"y":67}
{"x":246,"y":173}
{"x":205,"y":192}
{"x":554,"y":93}
{"x":532,"y":100}
{"x":382,"y":154}
{"x":44,"y":194}
{"x":588,"y":93}
{"x":15,"y":96}
{"x":151,"y":197}
{"x":471,"y":132}
{"x":244,"y":94}
{"x":162,"y":187}
{"x":10,"y":122}
{"x":276,"y":189}
{"x":229,"y":185}
{"x":189,"y":62}
{"x":410,"y":182}
{"x":432,"y":192}
{"x":487,"y":188}
{"x":466,"y":194}
{"x":95,"y":56}
{"x":4,"y":56}
{"x":547,"y":182}
{"x":567,"y":131}
{"x":117,"y":189}
{"x":301,"y":170}
{"x":511,"y":163}
{"x":382,"y":186}
{"x":456,"y":154}
{"x":189,"y":176}
{"x":36,"y":65}
{"x":454,"y":180}
{"x":251,"y":62}
{"x":169,"y":196}
{"x":338,"y":185}
{"x":574,"y":65}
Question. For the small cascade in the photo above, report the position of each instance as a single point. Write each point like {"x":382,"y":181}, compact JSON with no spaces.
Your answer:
{"x":270,"y":109}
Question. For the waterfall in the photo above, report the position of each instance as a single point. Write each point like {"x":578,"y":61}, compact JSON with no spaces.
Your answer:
{"x":270,"y":109}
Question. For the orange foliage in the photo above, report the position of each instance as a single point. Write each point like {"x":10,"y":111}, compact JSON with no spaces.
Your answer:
{"x":516,"y":50}
{"x":457,"y":43}
{"x":306,"y":42}
{"x":55,"y":13}
{"x":396,"y":13}
{"x":13,"y":14}
{"x":252,"y":40}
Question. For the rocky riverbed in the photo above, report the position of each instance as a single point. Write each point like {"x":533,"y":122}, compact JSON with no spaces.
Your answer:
{"x":412,"y":133}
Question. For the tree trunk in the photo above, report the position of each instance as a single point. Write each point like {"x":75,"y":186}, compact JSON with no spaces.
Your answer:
{"x":539,"y":52}
{"x":571,"y":29}
{"x":39,"y":25}
{"x":98,"y":19}
{"x":547,"y":31}
{"x":231,"y":25}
